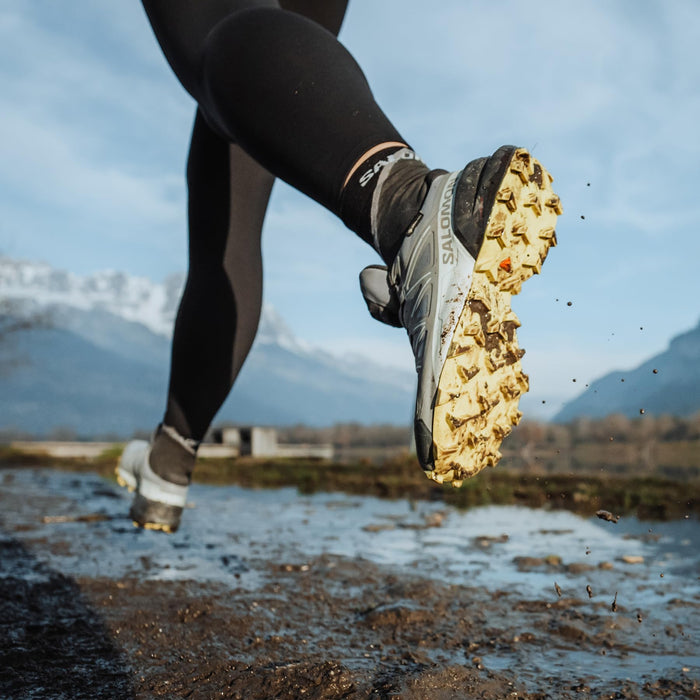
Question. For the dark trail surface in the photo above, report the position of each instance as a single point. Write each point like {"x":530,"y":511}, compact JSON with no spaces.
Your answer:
{"x":270,"y":594}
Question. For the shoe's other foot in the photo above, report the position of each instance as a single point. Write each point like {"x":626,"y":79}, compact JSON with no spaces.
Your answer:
{"x":480,"y":234}
{"x":158,"y":503}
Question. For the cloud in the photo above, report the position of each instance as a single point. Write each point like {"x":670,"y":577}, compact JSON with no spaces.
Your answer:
{"x":84,"y":182}
{"x":40,"y":159}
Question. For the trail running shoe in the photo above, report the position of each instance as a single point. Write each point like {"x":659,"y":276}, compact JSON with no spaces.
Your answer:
{"x":158,"y":503}
{"x":480,"y":233}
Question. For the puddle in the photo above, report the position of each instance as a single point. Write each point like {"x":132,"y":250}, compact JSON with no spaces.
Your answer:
{"x":486,"y":546}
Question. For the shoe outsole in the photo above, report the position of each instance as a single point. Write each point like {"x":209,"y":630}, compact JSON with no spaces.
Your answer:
{"x":151,"y":515}
{"x":482,"y":380}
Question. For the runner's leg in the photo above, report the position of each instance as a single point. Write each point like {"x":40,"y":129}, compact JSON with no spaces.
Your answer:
{"x":281,"y":86}
{"x":220,"y":308}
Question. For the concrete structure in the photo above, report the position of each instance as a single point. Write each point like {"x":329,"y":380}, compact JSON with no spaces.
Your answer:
{"x":253,"y":441}
{"x":66,"y":450}
{"x":257,"y":441}
{"x":244,"y":441}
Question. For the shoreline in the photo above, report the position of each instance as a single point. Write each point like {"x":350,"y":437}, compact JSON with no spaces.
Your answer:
{"x":648,"y":497}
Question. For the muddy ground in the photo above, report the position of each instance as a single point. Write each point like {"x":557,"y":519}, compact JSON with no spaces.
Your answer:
{"x":278,"y":625}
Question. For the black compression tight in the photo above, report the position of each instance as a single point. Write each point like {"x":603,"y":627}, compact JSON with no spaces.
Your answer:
{"x":220,"y":307}
{"x":277,"y":83}
{"x":278,"y":96}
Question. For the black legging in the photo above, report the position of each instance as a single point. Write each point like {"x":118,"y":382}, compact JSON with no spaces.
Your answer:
{"x":278,"y":96}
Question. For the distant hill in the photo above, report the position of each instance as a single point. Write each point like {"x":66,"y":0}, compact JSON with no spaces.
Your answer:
{"x":667,"y":383}
{"x":102,"y":366}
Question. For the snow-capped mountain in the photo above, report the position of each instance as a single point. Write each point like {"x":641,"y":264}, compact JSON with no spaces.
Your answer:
{"x":101,"y":365}
{"x":273,"y":330}
{"x":134,"y":299}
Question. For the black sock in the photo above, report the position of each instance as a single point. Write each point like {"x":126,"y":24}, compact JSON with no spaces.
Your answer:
{"x":358,"y":194}
{"x":383,"y":196}
{"x":172,"y":457}
{"x":399,"y":195}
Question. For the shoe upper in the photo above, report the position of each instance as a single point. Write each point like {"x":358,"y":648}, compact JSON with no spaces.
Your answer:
{"x":135,"y":470}
{"x":430,"y":278}
{"x":382,"y":303}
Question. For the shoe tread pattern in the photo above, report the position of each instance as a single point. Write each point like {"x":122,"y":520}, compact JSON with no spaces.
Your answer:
{"x":476,"y":403}
{"x":152,"y":515}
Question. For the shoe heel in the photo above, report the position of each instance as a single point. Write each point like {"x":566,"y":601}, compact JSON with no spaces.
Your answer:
{"x":152,"y":515}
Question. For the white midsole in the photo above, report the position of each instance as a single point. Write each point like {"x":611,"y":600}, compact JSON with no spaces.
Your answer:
{"x":171,"y":497}
{"x":454,"y":275}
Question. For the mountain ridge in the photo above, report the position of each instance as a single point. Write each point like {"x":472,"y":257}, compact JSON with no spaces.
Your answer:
{"x":668,"y":382}
{"x":116,"y":328}
{"x":111,"y":329}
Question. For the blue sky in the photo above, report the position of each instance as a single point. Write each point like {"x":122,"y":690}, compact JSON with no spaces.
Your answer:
{"x":94,"y":131}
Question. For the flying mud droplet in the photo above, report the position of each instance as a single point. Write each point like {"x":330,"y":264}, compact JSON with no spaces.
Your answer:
{"x":641,"y":411}
{"x":589,"y":590}
{"x":613,"y":607}
{"x":655,"y":371}
{"x":582,"y":216}
{"x":639,"y":617}
{"x":607,"y":515}
{"x":557,"y":589}
{"x":569,"y":303}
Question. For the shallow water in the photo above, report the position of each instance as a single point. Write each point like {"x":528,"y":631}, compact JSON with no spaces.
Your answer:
{"x":229,"y":531}
{"x":475,"y":547}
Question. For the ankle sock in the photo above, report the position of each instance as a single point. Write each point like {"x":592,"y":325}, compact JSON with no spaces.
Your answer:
{"x":172,"y":456}
{"x":358,"y":193}
{"x":400,"y":192}
{"x":383,"y":196}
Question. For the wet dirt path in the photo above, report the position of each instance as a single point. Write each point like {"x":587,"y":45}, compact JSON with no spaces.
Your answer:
{"x":269,"y":594}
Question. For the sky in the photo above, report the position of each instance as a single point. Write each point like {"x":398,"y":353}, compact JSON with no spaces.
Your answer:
{"x":94,"y":130}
